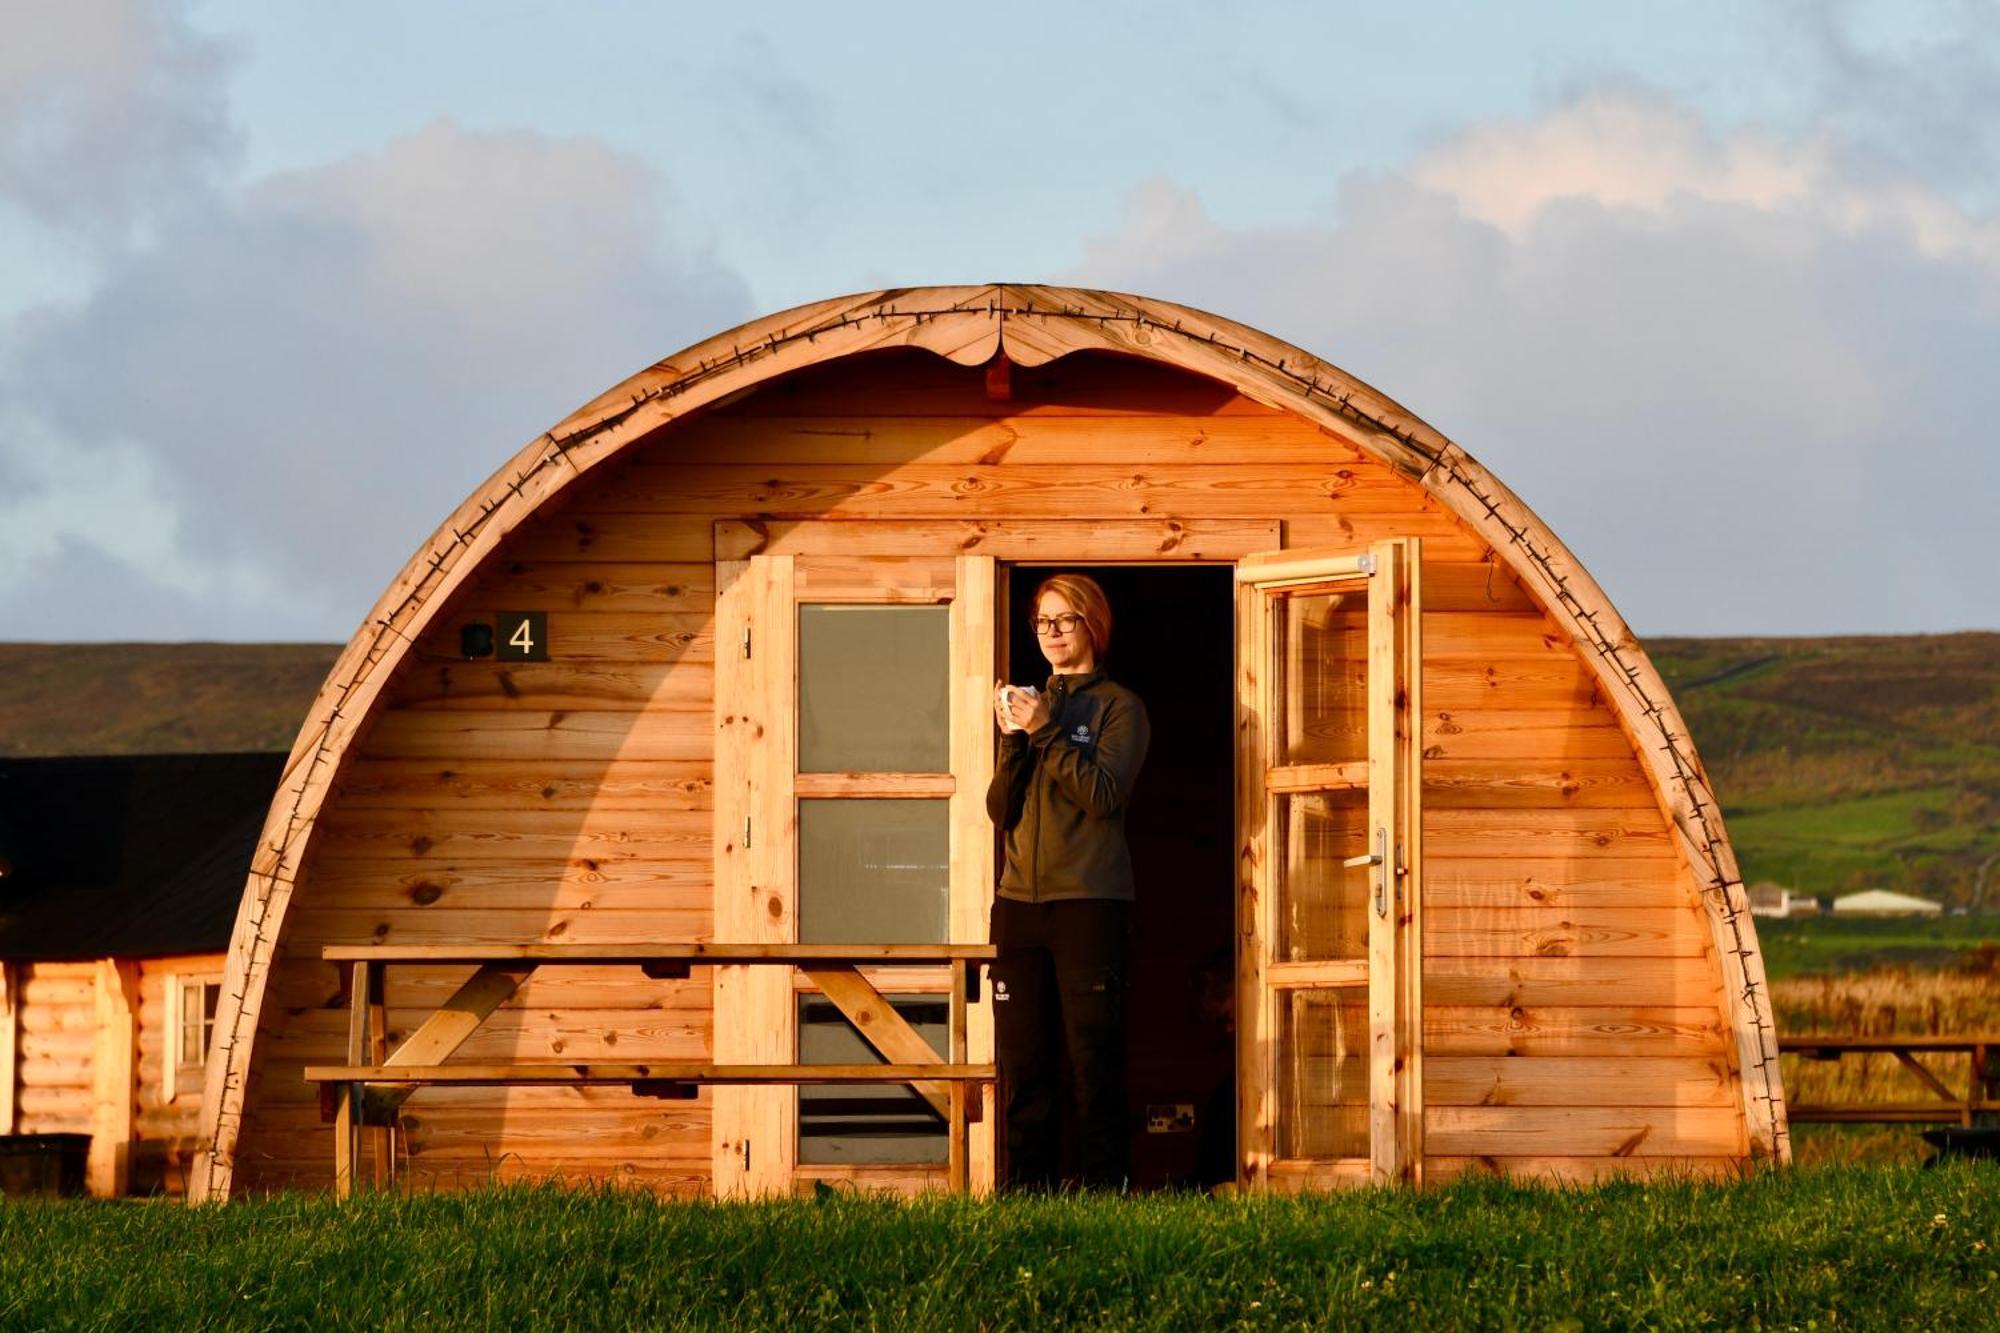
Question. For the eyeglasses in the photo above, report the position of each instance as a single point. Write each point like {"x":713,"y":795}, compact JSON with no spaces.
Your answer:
{"x":1062,"y":624}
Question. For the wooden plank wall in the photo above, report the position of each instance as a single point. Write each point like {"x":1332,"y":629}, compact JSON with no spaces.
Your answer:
{"x":1573,"y":1016}
{"x":10,"y":1045}
{"x":57,"y":1019}
{"x":164,"y":1131}
{"x":64,"y":1019}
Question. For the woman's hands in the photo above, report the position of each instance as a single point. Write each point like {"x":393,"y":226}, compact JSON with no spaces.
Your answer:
{"x":1021,"y":709}
{"x":1031,"y":712}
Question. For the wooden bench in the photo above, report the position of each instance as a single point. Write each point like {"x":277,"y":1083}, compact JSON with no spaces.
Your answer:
{"x":366,"y":1094}
{"x":1980,"y":1104}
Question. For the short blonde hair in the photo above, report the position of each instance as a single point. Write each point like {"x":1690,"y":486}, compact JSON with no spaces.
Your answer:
{"x":1087,"y":600}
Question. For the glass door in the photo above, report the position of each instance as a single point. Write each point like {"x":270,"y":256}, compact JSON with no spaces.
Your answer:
{"x":853,"y":748}
{"x":1329,"y":1002}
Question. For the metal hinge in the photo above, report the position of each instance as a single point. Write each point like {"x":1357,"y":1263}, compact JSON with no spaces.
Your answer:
{"x":746,"y":833}
{"x":746,"y":641}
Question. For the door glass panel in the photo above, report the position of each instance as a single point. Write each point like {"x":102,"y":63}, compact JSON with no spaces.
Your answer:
{"x":1322,"y":905}
{"x":874,"y":872}
{"x":1323,"y":676}
{"x":866,"y":1122}
{"x":1323,"y":1073}
{"x":874,"y":689}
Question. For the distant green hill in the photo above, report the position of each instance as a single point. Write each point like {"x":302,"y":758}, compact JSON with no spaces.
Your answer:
{"x":1851,"y":763}
{"x":1842,"y":763}
{"x":155,"y":698}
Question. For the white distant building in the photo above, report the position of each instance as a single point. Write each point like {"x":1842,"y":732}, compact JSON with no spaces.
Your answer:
{"x":1769,"y":899}
{"x":1881,"y":902}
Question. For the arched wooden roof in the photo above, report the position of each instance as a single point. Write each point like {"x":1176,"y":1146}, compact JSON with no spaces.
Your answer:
{"x":1034,"y":324}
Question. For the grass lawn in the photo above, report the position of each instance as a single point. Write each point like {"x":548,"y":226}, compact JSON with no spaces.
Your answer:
{"x":1793,"y":946}
{"x":1854,"y":1247}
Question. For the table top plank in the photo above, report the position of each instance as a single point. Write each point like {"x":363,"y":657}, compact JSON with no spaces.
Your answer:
{"x":1808,"y":1042}
{"x":684,"y":1071}
{"x":708,"y":954}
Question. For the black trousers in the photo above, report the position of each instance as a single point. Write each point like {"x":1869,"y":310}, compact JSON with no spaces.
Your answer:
{"x":1059,"y":985}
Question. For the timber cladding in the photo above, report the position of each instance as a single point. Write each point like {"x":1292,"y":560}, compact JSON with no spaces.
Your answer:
{"x":84,"y":1049}
{"x":1588,"y":1006}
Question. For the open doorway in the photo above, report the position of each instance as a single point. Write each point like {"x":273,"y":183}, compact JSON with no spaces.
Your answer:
{"x":1173,"y":644}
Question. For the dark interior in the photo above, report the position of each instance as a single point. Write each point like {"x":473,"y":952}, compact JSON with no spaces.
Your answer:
{"x":1173,"y":643}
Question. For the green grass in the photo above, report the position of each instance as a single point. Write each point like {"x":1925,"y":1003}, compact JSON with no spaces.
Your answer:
{"x":1795,"y":946}
{"x":1862,"y":840}
{"x":1860,"y":1247}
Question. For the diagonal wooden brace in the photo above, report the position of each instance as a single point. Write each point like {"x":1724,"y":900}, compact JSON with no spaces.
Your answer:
{"x":445,"y":1031}
{"x":882,"y":1027}
{"x":1925,"y":1076}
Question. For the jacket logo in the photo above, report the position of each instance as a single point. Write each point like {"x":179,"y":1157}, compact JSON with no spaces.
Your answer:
{"x":1082,"y":736}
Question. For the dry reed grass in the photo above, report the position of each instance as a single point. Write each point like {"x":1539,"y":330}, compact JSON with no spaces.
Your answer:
{"x":1880,"y":1002}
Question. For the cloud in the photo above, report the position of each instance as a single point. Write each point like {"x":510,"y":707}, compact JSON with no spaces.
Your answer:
{"x":109,"y":110}
{"x":316,"y":369}
{"x":770,"y":107}
{"x":1647,"y":154}
{"x":78,"y":591}
{"x":1749,"y":388}
{"x":1912,"y":84}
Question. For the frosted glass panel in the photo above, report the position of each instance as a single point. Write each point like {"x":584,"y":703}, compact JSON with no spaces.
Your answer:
{"x":874,"y":872}
{"x":1323,"y":684}
{"x":879,"y":1122}
{"x":874,"y":689}
{"x":1323,"y":1073}
{"x":1322,"y":904}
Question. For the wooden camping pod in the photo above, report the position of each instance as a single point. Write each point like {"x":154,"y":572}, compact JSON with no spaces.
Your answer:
{"x":1585,"y":995}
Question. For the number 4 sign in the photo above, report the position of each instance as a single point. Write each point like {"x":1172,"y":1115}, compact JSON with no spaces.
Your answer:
{"x":523,"y":636}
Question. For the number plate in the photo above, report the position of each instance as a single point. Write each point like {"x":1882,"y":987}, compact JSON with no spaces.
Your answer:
{"x":521,"y":636}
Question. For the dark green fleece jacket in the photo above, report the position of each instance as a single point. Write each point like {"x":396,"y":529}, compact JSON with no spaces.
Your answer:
{"x":1060,"y":793}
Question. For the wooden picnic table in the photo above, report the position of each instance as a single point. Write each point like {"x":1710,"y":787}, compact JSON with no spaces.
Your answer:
{"x":367,"y":1092}
{"x":1979,"y":1104}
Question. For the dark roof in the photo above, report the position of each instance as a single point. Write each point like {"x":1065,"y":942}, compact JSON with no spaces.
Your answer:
{"x":127,"y":855}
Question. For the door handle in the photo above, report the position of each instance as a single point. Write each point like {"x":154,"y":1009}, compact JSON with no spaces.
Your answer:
{"x":1378,"y":857}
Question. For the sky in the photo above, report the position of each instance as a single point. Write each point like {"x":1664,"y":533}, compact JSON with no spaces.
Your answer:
{"x":1715,"y":287}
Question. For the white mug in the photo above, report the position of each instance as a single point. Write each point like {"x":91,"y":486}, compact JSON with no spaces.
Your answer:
{"x":1007,"y":695}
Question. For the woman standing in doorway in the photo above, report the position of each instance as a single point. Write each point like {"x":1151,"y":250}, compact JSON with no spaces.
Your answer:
{"x":1062,"y":920}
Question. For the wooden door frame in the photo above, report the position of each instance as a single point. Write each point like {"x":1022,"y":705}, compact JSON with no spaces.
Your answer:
{"x":1394,"y":968}
{"x":754,"y":1130}
{"x":741,"y":710}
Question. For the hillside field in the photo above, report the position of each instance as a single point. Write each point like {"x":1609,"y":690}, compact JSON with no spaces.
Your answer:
{"x":155,"y":698}
{"x":1851,"y":763}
